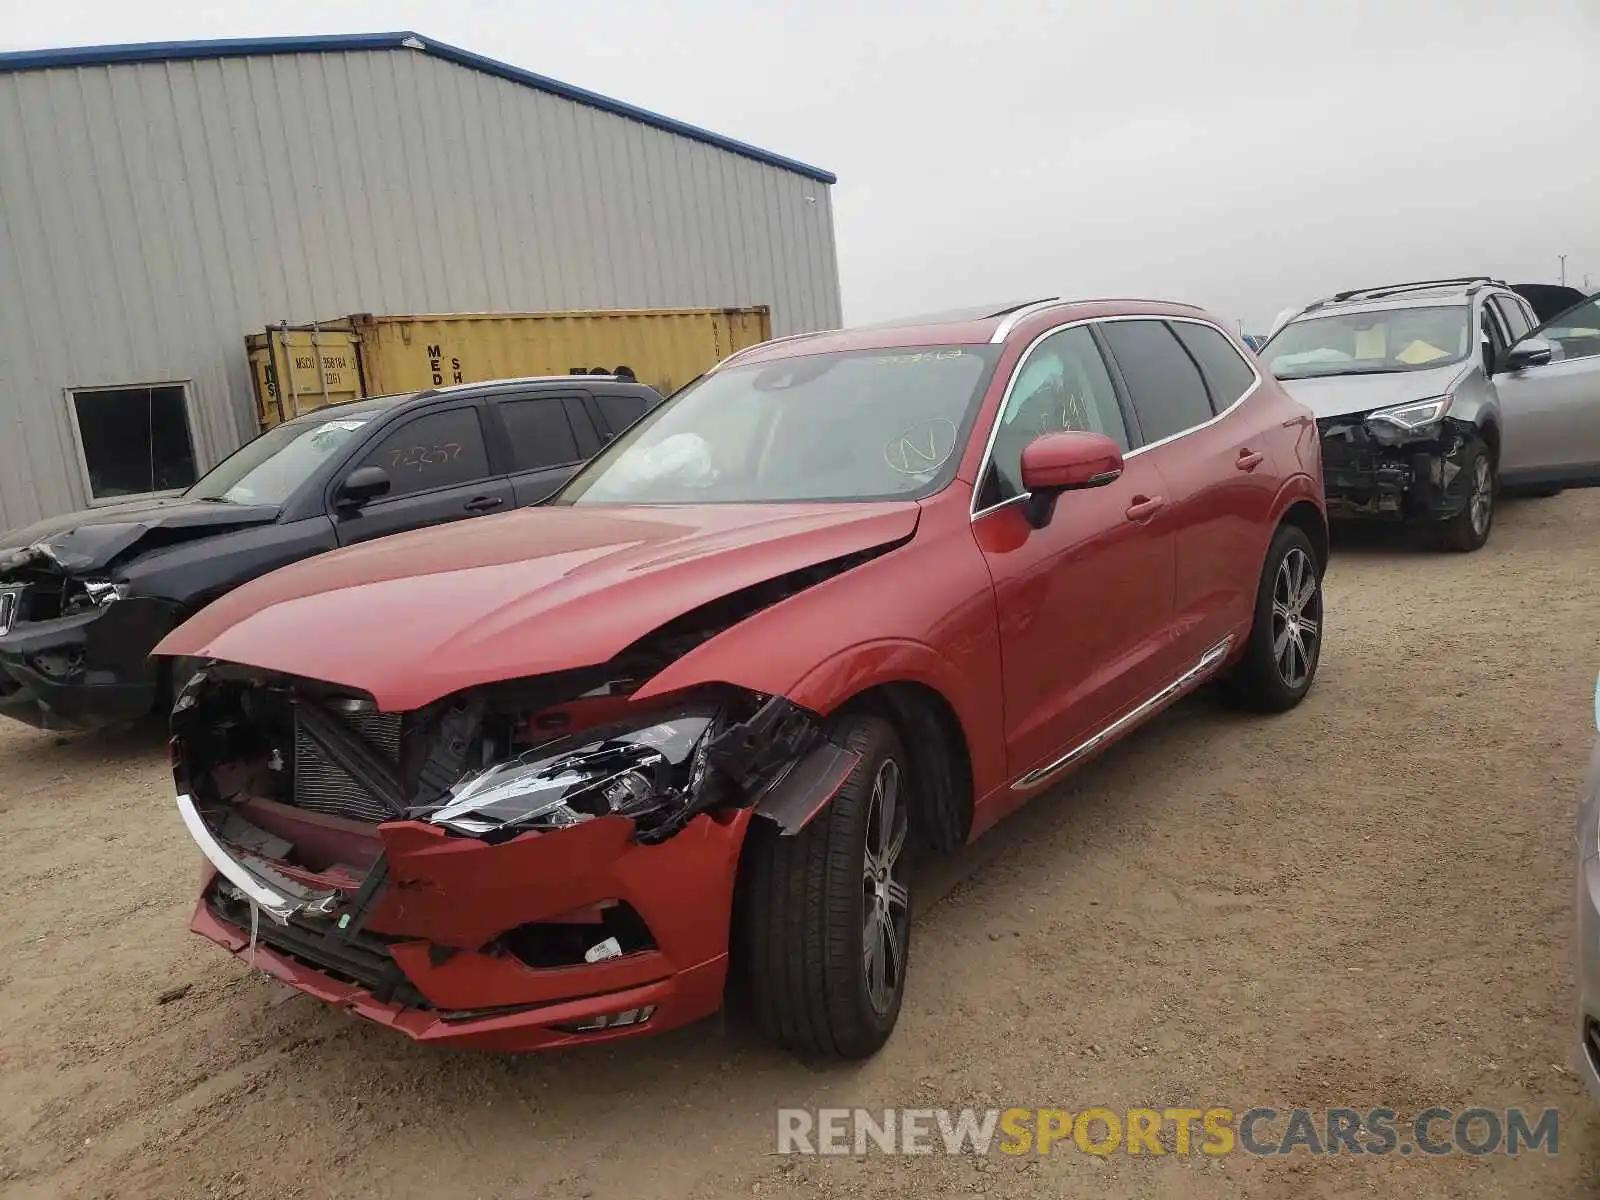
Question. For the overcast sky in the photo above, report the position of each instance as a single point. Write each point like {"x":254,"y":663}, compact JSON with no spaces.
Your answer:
{"x":1241,"y":154}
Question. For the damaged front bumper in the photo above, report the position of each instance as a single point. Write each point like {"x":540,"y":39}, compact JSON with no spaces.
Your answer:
{"x":1374,"y":473}
{"x":449,"y":925}
{"x":85,"y":670}
{"x":664,"y":966}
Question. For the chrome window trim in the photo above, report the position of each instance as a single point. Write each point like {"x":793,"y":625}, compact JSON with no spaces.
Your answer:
{"x":1011,"y":319}
{"x":1016,"y":372}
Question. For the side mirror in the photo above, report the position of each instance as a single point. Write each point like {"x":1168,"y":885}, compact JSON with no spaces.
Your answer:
{"x":362,"y":486}
{"x":1529,"y":352}
{"x":1066,"y":462}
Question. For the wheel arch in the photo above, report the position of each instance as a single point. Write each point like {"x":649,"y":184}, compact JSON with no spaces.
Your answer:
{"x":1489,"y":431}
{"x":1307,"y":517}
{"x":933,"y":737}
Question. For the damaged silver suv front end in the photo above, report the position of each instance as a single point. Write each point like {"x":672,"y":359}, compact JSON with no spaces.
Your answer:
{"x":1405,"y":461}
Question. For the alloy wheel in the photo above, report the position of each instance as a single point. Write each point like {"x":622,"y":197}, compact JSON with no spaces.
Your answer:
{"x":1482,"y":501}
{"x":886,"y":899}
{"x":1296,"y":617}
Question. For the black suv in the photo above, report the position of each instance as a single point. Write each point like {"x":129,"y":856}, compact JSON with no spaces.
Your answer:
{"x":85,"y":597}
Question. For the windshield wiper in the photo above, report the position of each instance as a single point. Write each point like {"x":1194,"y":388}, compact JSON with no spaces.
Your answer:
{"x":1356,"y":371}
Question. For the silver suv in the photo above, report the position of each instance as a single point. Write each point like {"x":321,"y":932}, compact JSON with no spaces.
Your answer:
{"x":1432,"y":397}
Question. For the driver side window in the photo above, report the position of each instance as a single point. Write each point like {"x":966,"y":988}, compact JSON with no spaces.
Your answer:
{"x":435,"y":450}
{"x":1062,"y":386}
{"x":1575,"y":334}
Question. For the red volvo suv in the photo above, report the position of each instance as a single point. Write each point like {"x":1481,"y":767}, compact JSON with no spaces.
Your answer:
{"x":566,"y":774}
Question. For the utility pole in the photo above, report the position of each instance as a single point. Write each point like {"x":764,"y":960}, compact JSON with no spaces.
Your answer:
{"x":1563,"y":270}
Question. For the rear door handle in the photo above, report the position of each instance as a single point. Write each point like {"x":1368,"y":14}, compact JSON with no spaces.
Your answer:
{"x":483,"y":503}
{"x":1145,"y":507}
{"x":1248,"y":460}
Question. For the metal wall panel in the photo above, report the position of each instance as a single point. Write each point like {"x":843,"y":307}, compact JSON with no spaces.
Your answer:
{"x":152,"y":214}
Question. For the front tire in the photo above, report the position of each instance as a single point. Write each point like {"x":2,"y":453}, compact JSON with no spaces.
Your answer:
{"x":1285,"y":640}
{"x":1469,"y":529}
{"x":827,"y":920}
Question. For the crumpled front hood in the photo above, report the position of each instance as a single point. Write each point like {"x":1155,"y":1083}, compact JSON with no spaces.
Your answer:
{"x":417,"y":616}
{"x":92,"y":539}
{"x":1339,"y":395}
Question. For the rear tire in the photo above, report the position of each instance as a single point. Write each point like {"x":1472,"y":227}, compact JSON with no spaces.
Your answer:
{"x":826,"y":924}
{"x":1284,"y":645}
{"x":1469,"y":529}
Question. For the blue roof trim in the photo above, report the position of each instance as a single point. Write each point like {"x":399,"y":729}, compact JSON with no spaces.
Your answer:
{"x":88,"y":56}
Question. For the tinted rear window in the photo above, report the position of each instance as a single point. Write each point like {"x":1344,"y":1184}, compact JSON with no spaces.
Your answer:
{"x":1226,"y":372}
{"x":620,"y":411}
{"x":1164,"y":385}
{"x":539,"y":433}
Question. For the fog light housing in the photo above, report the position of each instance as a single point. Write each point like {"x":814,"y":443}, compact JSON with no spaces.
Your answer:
{"x":58,"y":664}
{"x":616,"y":1020}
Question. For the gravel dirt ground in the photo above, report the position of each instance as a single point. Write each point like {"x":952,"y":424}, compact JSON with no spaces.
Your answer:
{"x":1365,"y":902}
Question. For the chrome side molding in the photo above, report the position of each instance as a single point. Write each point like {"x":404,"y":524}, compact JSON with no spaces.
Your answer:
{"x":1204,"y":666}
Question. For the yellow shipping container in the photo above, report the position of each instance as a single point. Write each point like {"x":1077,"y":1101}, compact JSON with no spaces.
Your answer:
{"x":364,"y":355}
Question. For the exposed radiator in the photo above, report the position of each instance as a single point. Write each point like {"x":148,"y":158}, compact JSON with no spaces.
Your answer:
{"x":320,"y":786}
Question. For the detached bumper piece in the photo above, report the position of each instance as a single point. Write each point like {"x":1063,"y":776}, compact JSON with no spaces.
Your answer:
{"x":1372,"y":476}
{"x":84,"y":670}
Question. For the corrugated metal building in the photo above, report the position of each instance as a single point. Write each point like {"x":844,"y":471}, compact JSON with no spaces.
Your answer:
{"x":159,"y":202}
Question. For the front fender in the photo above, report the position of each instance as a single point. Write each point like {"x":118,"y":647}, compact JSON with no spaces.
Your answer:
{"x":922,"y":614}
{"x":848,"y":673}
{"x":857,"y":668}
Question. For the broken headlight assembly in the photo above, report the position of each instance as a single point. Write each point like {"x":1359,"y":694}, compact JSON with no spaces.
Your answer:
{"x":96,"y":593}
{"x":1409,"y":422}
{"x":651,"y":773}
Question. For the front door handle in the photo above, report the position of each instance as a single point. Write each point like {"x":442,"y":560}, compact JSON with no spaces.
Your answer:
{"x":1145,"y":507}
{"x":483,"y":503}
{"x":1248,"y":460}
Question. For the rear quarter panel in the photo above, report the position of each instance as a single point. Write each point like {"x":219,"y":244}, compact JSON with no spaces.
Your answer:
{"x":1296,"y":457}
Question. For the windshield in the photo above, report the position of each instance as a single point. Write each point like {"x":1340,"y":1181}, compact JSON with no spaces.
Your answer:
{"x":852,"y":425}
{"x":270,"y":469}
{"x":1367,"y":343}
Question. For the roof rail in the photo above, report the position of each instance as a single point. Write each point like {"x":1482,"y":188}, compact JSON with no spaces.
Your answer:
{"x":790,"y":337}
{"x":1015,"y":317}
{"x":1395,"y":289}
{"x":604,"y":376}
{"x":1138,"y":300}
{"x":1019,"y":305}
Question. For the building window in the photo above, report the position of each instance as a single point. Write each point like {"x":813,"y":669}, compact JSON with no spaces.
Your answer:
{"x":135,"y":441}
